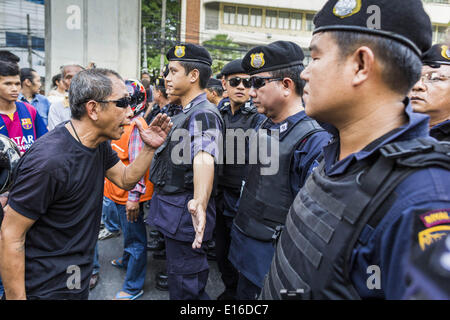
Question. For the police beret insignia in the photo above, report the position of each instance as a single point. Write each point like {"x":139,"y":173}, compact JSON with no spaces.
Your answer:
{"x":190,"y":53}
{"x":446,"y":52}
{"x":346,"y":8}
{"x":274,"y":56}
{"x":180,"y":51}
{"x":257,"y":60}
{"x":438,"y":55}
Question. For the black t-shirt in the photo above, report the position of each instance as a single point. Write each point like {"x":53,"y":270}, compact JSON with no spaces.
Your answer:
{"x":59,"y":183}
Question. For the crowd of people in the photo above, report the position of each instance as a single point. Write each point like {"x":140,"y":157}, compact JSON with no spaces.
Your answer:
{"x":330,"y":181}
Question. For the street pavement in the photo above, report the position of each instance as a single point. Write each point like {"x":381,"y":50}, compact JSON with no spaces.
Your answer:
{"x":111,"y":278}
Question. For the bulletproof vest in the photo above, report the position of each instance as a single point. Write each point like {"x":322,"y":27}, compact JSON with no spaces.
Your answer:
{"x":331,"y":214}
{"x":266,"y":199}
{"x":231,"y":174}
{"x":168,"y":177}
{"x":441,"y":133}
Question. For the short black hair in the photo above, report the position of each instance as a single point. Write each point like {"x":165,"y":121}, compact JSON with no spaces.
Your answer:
{"x":204,"y":70}
{"x":162,"y":90}
{"x":292,"y":73}
{"x":402,"y":67}
{"x":217,"y":90}
{"x":8,"y":56}
{"x":56,"y":78}
{"x":26,"y":73}
{"x":9,"y":69}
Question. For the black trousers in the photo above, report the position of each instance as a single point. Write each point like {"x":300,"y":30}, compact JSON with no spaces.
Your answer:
{"x":223,"y":228}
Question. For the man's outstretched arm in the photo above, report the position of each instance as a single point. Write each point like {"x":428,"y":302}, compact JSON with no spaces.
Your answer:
{"x":12,"y":253}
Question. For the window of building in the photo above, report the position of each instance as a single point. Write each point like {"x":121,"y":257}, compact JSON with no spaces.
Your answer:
{"x":296,"y":21}
{"x":439,"y":33}
{"x":283,"y":20}
{"x":271,"y":19}
{"x":229,"y":13}
{"x":256,"y":17}
{"x":309,"y":22}
{"x":242,"y":16}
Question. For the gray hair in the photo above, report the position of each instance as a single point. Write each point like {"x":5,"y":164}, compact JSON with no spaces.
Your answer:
{"x":92,"y":84}
{"x":63,"y":68}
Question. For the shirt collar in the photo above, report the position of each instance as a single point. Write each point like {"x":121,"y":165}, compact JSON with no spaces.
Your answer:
{"x":416,"y":126}
{"x":23,"y":99}
{"x":197,"y":100}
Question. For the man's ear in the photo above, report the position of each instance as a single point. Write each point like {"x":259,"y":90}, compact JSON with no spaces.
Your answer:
{"x":224,"y":83}
{"x":194,"y":75}
{"x":92,"y":109}
{"x":363,"y":62}
{"x":27,"y":83}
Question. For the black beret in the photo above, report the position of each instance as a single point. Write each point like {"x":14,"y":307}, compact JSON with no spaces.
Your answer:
{"x":233,"y":67}
{"x":402,"y":20}
{"x":274,"y":56}
{"x":159,"y":83}
{"x":190,"y":53}
{"x":437,"y":55}
{"x":214,"y":83}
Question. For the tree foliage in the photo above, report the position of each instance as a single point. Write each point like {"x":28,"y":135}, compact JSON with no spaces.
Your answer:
{"x":222,"y":50}
{"x":151,"y":19}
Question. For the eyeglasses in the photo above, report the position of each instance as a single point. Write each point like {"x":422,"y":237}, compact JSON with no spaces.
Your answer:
{"x":234,"y":82}
{"x":433,"y":77}
{"x":121,"y":103}
{"x":258,"y":82}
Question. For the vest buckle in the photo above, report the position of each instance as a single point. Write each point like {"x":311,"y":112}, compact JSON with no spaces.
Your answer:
{"x":277,"y":233}
{"x":405,"y":148}
{"x":291,"y":295}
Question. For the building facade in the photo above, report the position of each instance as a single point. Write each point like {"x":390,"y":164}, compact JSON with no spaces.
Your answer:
{"x":251,"y":23}
{"x":14,"y":31}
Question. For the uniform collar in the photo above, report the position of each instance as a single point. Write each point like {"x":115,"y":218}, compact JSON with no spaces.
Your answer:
{"x":226,"y":107}
{"x":197,"y":100}
{"x":442,"y":125}
{"x":417,"y":126}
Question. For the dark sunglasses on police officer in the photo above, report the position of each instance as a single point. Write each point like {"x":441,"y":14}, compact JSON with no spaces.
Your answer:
{"x":234,"y":82}
{"x":258,"y":82}
{"x":121,"y":103}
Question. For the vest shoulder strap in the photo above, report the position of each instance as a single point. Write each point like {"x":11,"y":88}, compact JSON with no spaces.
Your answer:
{"x":395,"y":162}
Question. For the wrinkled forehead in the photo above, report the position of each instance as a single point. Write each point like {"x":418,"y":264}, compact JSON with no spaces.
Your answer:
{"x":443,"y":69}
{"x":119,"y":88}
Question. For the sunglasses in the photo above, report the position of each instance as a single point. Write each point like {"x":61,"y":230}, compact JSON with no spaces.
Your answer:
{"x":121,"y":103}
{"x":234,"y":82}
{"x":258,"y":82}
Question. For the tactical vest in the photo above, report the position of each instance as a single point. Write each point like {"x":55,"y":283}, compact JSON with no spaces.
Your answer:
{"x":231,"y":174}
{"x":168,"y":177}
{"x":330,"y":214}
{"x":441,"y":133}
{"x":266,"y":199}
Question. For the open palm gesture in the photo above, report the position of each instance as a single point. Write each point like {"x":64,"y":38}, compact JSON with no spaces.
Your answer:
{"x":156,"y":133}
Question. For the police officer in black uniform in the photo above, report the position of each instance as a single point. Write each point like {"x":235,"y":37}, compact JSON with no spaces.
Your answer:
{"x":294,"y":141}
{"x":183,"y":172}
{"x":431,"y":95}
{"x":348,"y":234}
{"x":238,"y":113}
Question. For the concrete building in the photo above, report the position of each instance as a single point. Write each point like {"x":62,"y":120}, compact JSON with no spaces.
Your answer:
{"x":13,"y":31}
{"x":251,"y":23}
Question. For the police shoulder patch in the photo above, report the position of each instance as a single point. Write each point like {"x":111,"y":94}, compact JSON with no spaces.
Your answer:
{"x":437,"y":227}
{"x":346,"y":8}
